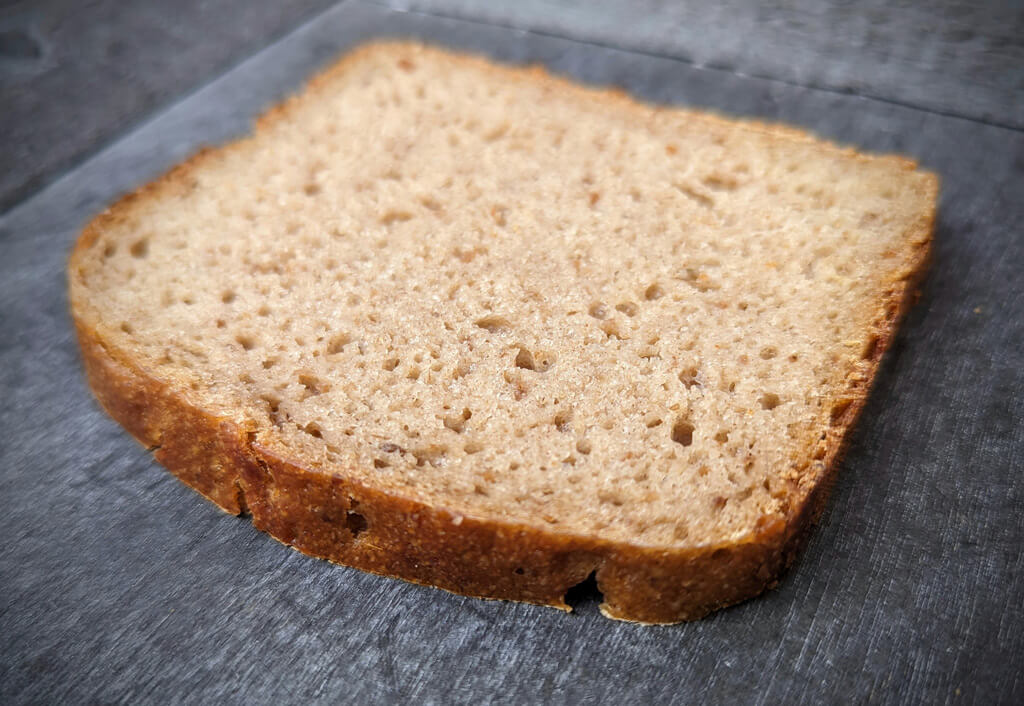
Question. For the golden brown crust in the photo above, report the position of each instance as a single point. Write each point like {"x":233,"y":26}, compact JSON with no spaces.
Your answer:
{"x":336,"y":518}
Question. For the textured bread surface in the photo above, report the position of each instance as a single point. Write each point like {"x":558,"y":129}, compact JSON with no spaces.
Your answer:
{"x":488,"y":330}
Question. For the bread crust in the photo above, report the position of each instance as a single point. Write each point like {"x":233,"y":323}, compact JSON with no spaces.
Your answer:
{"x":333,"y":516}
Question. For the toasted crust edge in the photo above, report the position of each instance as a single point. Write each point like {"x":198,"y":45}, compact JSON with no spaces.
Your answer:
{"x":347,"y":522}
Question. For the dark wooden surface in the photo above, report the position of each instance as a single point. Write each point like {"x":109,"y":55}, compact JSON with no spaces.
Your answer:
{"x":947,"y":56}
{"x":74,"y":74}
{"x":119,"y":584}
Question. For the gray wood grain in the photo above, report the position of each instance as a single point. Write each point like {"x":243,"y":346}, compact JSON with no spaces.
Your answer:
{"x":950,"y":56}
{"x":74,"y":75}
{"x":117,"y":584}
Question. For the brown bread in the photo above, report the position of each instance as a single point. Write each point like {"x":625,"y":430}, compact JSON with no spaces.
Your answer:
{"x":484,"y":329}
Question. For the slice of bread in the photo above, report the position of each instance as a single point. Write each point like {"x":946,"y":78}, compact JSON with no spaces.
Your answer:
{"x":484,"y":329}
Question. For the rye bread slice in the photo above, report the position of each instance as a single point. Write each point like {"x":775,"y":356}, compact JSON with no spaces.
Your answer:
{"x":485,"y":329}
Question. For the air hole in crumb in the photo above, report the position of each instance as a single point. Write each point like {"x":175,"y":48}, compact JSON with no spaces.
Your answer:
{"x":699,"y":280}
{"x":494,"y":323}
{"x":391,"y":217}
{"x":682,"y":432}
{"x":585,"y":596}
{"x":246,"y":341}
{"x":110,"y":250}
{"x":497,"y":132}
{"x":689,"y":376}
{"x":722,"y":437}
{"x":264,"y":310}
{"x":313,"y":429}
{"x":721,"y":182}
{"x":140,"y":248}
{"x":524,"y":359}
{"x":598,"y":310}
{"x":380,"y":463}
{"x":769,"y":352}
{"x":435,"y":455}
{"x":499,"y":215}
{"x":584,"y":446}
{"x":627,"y":308}
{"x":355,"y":523}
{"x":770,"y":400}
{"x":221,"y":323}
{"x":543,"y":360}
{"x":562,"y":420}
{"x":538,"y":362}
{"x":311,"y":189}
{"x":611,"y":498}
{"x":594,"y":198}
{"x":390,"y":364}
{"x":519,"y":570}
{"x":338,"y":342}
{"x":612,"y":330}
{"x":430,"y":203}
{"x":314,"y":385}
{"x":718,"y":503}
{"x":127,"y":328}
{"x":273,"y":407}
{"x":457,"y":422}
{"x":653,"y":292}
{"x":652,"y":420}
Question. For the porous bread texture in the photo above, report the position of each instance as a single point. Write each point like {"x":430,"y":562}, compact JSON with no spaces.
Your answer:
{"x":520,"y":300}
